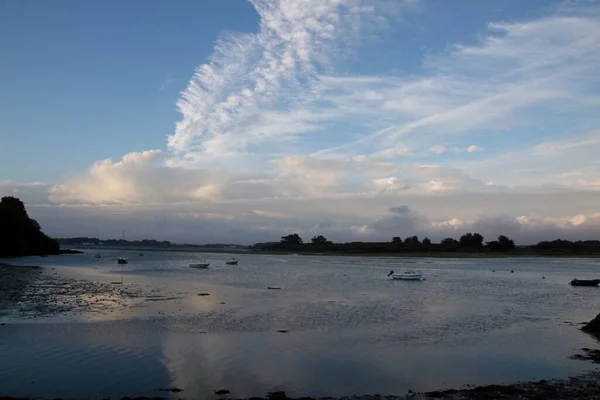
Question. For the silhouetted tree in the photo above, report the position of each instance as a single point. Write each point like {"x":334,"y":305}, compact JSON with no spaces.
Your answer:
{"x":294,"y":238}
{"x":506,"y":243}
{"x":449,"y":242}
{"x":19,"y":234}
{"x":471,"y":240}
{"x":426,"y":242}
{"x":396,"y":240}
{"x":412,"y":240}
{"x":319,"y":240}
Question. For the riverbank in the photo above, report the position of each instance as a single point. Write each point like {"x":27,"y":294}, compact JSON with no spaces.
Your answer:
{"x":468,"y":255}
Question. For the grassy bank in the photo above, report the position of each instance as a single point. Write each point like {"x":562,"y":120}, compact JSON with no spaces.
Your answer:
{"x":436,"y":254}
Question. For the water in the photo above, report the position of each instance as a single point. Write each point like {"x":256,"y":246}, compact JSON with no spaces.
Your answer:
{"x":350,"y":330}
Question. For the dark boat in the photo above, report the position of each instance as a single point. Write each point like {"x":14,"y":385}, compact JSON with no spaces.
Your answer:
{"x":585,"y":282}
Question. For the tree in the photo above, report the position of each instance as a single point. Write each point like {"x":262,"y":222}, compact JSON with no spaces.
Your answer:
{"x":426,"y":242}
{"x":503,"y":243}
{"x":396,"y":240}
{"x":19,"y":234}
{"x":471,"y":240}
{"x":294,"y":238}
{"x":319,"y":240}
{"x":413,"y":240}
{"x":506,"y":242}
{"x":449,"y":242}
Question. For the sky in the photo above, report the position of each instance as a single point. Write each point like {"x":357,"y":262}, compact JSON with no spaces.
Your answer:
{"x":237,"y":121}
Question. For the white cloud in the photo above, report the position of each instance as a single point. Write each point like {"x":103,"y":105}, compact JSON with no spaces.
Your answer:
{"x":441,"y":149}
{"x":519,"y":77}
{"x":274,"y":69}
{"x":142,"y":157}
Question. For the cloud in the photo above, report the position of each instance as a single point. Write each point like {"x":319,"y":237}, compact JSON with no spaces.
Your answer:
{"x":34,"y":192}
{"x":143,"y":157}
{"x":274,"y":70}
{"x":441,"y":149}
{"x":167,"y":82}
{"x":519,"y":76}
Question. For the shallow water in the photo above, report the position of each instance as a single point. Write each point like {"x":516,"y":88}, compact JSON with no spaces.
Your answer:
{"x":350,"y":330}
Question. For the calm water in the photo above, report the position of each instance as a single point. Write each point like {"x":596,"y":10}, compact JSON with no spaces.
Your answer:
{"x":351,"y":330}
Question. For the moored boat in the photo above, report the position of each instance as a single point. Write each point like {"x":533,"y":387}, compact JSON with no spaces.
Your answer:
{"x":200,"y":264}
{"x":585,"y":282}
{"x":408,"y":275}
{"x":121,"y":261}
{"x":233,"y":261}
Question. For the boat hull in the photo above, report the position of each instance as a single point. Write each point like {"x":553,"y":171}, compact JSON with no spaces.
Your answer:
{"x":200,"y":266}
{"x":585,"y":282}
{"x":231,"y":262}
{"x":407,"y":277}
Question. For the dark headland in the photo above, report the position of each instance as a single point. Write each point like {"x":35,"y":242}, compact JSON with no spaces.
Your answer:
{"x":21,"y":235}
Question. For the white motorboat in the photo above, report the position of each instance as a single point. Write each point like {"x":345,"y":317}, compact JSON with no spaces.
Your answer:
{"x":200,"y":264}
{"x":407,"y":275}
{"x":233,"y":261}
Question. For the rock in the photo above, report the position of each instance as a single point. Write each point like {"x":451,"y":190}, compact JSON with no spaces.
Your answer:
{"x":222,"y":392}
{"x":593,"y":326}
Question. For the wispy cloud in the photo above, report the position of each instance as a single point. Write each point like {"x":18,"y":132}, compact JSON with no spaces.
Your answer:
{"x":167,"y":82}
{"x":275,"y":69}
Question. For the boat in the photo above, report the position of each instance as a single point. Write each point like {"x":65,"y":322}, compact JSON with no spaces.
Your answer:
{"x":408,"y":275}
{"x":200,"y":264}
{"x":585,"y":282}
{"x":122,"y":260}
{"x":97,"y":255}
{"x":233,"y":261}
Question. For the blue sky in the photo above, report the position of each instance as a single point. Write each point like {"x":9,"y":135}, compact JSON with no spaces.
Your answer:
{"x":234,"y":118}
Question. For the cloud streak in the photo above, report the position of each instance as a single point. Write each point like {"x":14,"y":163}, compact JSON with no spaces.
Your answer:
{"x":273,"y":69}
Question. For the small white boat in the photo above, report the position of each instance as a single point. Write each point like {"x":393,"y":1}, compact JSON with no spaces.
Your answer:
{"x":407,"y":275}
{"x":200,"y":264}
{"x":233,"y":261}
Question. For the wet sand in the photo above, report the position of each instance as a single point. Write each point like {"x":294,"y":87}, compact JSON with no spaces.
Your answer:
{"x":29,"y":292}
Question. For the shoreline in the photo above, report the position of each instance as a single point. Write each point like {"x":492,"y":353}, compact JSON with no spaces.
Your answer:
{"x":452,"y":255}
{"x":586,"y":386}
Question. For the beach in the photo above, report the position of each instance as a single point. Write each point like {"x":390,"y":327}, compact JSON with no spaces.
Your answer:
{"x":335,"y":328}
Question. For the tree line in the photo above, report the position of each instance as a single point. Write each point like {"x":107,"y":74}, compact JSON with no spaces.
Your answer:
{"x":469,"y":242}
